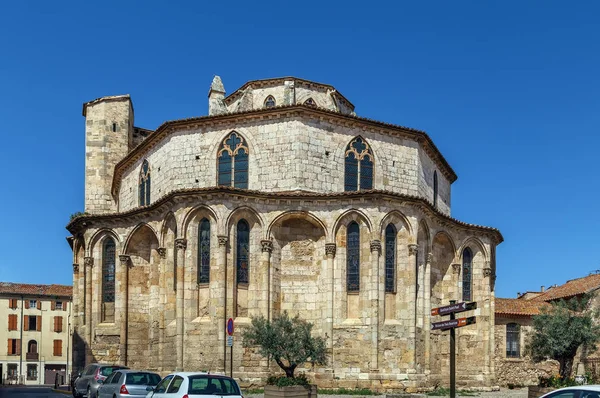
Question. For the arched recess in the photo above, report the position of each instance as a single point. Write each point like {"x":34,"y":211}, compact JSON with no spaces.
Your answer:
{"x":398,"y":219}
{"x":169,"y":224}
{"x":193,"y":217}
{"x":351,"y":215}
{"x":95,"y":243}
{"x":298,"y":254}
{"x":142,"y":291}
{"x":168,"y":282}
{"x":246,"y":295}
{"x":476,"y":245}
{"x":479,"y":261}
{"x":79,"y":251}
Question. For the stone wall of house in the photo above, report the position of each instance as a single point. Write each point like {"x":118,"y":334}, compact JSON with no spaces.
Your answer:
{"x":519,"y":371}
{"x":371,"y":335}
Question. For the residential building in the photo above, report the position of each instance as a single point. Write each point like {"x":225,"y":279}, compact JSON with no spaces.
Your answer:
{"x":34,"y":324}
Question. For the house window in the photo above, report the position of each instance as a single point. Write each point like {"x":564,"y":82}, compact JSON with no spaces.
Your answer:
{"x":57,"y":349}
{"x":14,"y":346}
{"x":204,"y":251}
{"x":310,"y":102}
{"x":270,"y":102}
{"x":59,"y":305}
{"x":12,"y":322}
{"x":513,"y":338}
{"x":353,"y":258}
{"x":12,"y":304}
{"x":358,"y":170}
{"x":390,"y":258}
{"x":32,"y":323}
{"x":467,"y":269}
{"x":233,"y":162}
{"x":435,"y":189}
{"x":32,"y":372}
{"x":144,"y":184}
{"x":32,"y":347}
{"x":108,"y":271}
{"x":243,"y":251}
{"x":32,"y":303}
{"x":58,"y":324}
{"x":11,"y":374}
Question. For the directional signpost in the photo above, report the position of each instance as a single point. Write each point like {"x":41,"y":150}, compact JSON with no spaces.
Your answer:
{"x":452,"y":324}
{"x":230,"y":344}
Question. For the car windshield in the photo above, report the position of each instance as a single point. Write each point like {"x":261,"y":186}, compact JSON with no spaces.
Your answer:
{"x":142,"y":379}
{"x":107,"y":370}
{"x":211,"y":385}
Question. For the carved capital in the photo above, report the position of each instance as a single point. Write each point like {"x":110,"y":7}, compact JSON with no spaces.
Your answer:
{"x":267,"y":246}
{"x":456,"y":268}
{"x":487,"y":272}
{"x":75,"y":268}
{"x":413,"y":249}
{"x":376,"y":246}
{"x":181,"y":243}
{"x":88,"y":261}
{"x":429,"y":258}
{"x":124,"y":259}
{"x":222,"y":240}
{"x":162,"y":252}
{"x":330,"y":249}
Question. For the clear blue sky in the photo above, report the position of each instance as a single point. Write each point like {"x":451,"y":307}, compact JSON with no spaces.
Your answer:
{"x":508,"y":91}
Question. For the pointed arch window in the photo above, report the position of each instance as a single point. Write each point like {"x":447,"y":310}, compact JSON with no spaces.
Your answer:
{"x":358,"y":166}
{"x":243,"y":251}
{"x":204,"y":251}
{"x":310,"y":102}
{"x":435,"y":189}
{"x":233,"y":161}
{"x":269,"y":102}
{"x":390,"y":258}
{"x":144,"y":187}
{"x":513,"y":340}
{"x":353,"y":257}
{"x":108,"y":271}
{"x":467,"y":269}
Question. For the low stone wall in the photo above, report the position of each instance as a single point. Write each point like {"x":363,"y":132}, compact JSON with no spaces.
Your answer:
{"x":523,"y":372}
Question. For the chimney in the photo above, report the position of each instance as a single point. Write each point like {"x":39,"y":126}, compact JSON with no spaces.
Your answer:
{"x":216,"y":97}
{"x":542,"y":289}
{"x":518,"y":294}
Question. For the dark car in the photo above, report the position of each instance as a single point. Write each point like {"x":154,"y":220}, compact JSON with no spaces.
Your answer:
{"x":86,"y":385}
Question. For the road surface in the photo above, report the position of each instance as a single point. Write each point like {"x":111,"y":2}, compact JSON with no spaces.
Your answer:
{"x":30,"y":392}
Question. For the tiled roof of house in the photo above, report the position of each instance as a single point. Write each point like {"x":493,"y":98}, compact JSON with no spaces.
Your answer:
{"x":506,"y":306}
{"x":570,"y":289}
{"x":8,"y":288}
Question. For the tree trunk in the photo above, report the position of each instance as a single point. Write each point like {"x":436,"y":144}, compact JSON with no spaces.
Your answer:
{"x":566,"y":367}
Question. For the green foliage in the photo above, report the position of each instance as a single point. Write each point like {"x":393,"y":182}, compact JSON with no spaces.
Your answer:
{"x":557,"y":382}
{"x":284,"y":381}
{"x":345,"y":391}
{"x":288,"y":341}
{"x":444,"y":392}
{"x":560,"y":330}
{"x":77,"y":214}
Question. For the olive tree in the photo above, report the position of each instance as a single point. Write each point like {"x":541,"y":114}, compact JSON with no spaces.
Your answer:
{"x":288,"y":341}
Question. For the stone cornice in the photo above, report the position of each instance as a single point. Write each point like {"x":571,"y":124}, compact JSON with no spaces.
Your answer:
{"x":167,"y":128}
{"x":80,"y":223}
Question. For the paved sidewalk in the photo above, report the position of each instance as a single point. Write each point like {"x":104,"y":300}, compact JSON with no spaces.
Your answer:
{"x":503,"y":393}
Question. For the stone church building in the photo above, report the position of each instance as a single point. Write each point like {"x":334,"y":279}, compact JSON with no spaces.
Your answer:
{"x":282,"y":198}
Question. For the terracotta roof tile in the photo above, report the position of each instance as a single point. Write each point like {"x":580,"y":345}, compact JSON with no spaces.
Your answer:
{"x":36,"y":290}
{"x":506,"y":306}
{"x":572,"y":288}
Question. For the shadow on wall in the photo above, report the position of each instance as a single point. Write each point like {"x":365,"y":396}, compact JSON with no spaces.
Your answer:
{"x":80,"y":347}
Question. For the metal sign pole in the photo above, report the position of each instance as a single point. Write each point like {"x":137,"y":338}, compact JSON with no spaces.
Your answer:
{"x":452,"y":357}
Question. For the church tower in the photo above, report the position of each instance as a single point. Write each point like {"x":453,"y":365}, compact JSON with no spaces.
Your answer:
{"x":108,"y":137}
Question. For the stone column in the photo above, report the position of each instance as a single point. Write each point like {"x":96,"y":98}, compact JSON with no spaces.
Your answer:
{"x":76,"y":297}
{"x":222,"y":286}
{"x":122,"y":303}
{"x":162,"y":253}
{"x":180,"y":245}
{"x":330,"y":254}
{"x":488,"y":335}
{"x":266,"y":295}
{"x":413,"y":249}
{"x":89,"y":263}
{"x":456,"y":282}
{"x":374,"y":296}
{"x":427,"y":321}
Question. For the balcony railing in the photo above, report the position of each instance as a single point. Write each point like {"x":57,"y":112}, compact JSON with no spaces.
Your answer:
{"x":32,"y":356}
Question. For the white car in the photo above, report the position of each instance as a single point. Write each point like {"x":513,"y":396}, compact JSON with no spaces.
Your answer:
{"x":194,"y":385}
{"x":591,"y":391}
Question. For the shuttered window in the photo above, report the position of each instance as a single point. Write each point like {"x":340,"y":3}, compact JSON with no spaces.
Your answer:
{"x":12,"y":304}
{"x":58,"y":322}
{"x":14,"y":347}
{"x":12,"y":322}
{"x":57,"y":348}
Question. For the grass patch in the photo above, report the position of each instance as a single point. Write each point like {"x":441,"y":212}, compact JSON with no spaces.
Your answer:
{"x":441,"y":392}
{"x":345,"y":391}
{"x":254,"y":391}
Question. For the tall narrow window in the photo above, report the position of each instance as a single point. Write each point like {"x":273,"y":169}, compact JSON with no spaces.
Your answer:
{"x":144,"y":187}
{"x":233,"y":162}
{"x":390,"y":258}
{"x":358,"y":166}
{"x":108,"y":271}
{"x":353,"y":258}
{"x":204,"y":251}
{"x":467,"y":269}
{"x":243,"y":251}
{"x":513,"y":339}
{"x":270,"y":102}
{"x":435,"y":189}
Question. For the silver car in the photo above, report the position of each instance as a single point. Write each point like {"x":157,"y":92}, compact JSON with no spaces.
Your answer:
{"x":87,"y":383}
{"x":127,"y":384}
